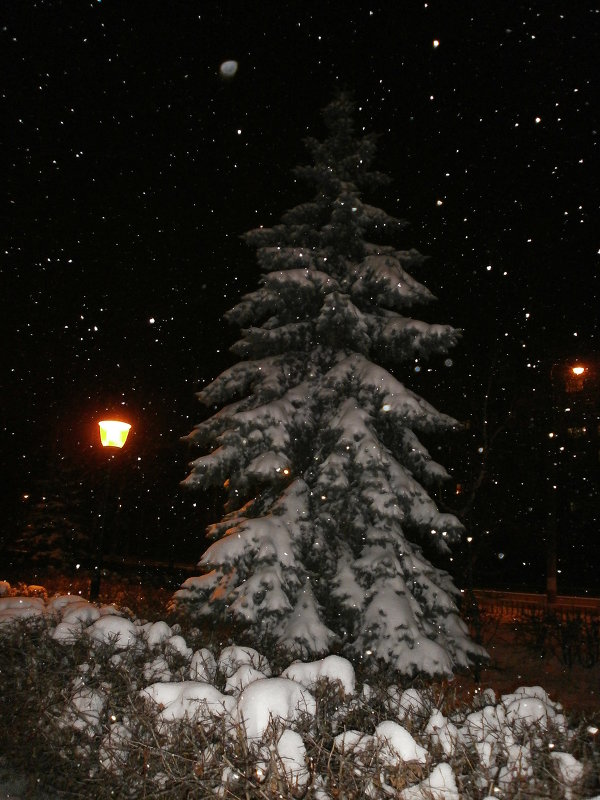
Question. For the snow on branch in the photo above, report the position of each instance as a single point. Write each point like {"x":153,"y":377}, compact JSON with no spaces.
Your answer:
{"x":258,"y":342}
{"x":290,"y":258}
{"x":403,"y":404}
{"x":303,"y":633}
{"x":306,"y":279}
{"x":265,"y":377}
{"x":382,"y":280}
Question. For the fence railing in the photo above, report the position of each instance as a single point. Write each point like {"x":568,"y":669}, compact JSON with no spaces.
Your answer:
{"x":517,"y":603}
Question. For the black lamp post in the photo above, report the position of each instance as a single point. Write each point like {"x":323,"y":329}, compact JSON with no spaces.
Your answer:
{"x":113,"y":434}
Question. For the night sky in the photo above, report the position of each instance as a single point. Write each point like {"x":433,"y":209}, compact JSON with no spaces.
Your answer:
{"x":132,"y":166}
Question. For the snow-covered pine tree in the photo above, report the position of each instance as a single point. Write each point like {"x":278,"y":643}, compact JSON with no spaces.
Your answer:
{"x":317,"y":445}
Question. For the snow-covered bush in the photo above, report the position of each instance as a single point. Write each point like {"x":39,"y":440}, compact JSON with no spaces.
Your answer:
{"x":98,"y":714}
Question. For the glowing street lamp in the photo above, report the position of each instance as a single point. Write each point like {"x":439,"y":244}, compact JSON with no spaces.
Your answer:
{"x":575,"y":378}
{"x":113,"y":433}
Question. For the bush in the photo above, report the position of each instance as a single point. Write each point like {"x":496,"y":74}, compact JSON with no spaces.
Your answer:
{"x":81,"y":718}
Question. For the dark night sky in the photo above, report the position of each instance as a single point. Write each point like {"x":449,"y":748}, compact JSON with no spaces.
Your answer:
{"x":132,"y":167}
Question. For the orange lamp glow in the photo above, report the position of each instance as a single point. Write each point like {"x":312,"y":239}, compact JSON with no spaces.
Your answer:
{"x":113,"y":433}
{"x":578,"y":370}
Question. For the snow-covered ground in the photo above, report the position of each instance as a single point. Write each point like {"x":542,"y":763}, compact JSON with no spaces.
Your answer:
{"x":506,"y":738}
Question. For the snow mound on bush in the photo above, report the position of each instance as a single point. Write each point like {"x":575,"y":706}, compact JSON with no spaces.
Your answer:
{"x":292,"y":755}
{"x":117,"y":631}
{"x":332,"y":668}
{"x":439,"y":785}
{"x":18,"y":608}
{"x":234,"y":657}
{"x":397,"y":745}
{"x":188,"y":699}
{"x":272,"y":701}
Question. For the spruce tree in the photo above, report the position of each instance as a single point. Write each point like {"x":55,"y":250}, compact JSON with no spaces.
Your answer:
{"x":328,"y":511}
{"x":54,"y":534}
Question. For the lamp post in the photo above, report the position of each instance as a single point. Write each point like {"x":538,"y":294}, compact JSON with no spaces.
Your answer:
{"x":568,"y":380}
{"x":113,"y":434}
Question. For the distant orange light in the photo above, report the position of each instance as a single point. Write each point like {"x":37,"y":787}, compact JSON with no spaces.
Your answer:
{"x":577,"y":370}
{"x":113,"y":433}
